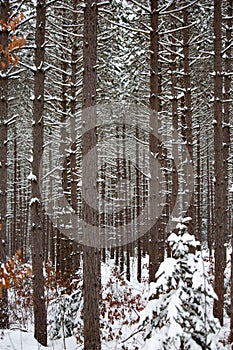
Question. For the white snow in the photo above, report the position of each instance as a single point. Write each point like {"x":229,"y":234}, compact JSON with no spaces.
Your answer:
{"x":34,"y":200}
{"x":24,"y":340}
{"x":32,"y":177}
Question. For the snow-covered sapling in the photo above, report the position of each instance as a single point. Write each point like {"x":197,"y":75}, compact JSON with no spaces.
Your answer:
{"x":179,"y":312}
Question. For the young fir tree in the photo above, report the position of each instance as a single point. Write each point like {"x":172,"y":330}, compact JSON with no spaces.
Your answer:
{"x":180,"y":308}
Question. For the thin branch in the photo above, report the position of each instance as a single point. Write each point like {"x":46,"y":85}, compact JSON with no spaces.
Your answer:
{"x":131,"y":335}
{"x":164,"y":12}
{"x":140,"y":5}
{"x":125,"y":27}
{"x":176,"y":29}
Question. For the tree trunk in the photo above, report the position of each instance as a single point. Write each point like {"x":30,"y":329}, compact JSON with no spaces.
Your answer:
{"x":188,"y":107}
{"x":154,"y":106}
{"x":73,"y":261}
{"x":209,"y":205}
{"x":226,"y":130}
{"x":37,"y":215}
{"x":4,"y":13}
{"x":220,"y":253}
{"x":226,"y":111}
{"x":198,"y":187}
{"x":91,"y":252}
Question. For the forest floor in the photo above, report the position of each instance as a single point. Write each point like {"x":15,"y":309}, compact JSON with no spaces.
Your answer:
{"x":128,"y":298}
{"x":20,"y":340}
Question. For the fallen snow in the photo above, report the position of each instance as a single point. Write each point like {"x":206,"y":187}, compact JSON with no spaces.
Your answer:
{"x":24,"y":340}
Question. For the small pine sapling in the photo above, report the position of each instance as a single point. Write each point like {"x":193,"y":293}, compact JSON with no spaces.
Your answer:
{"x":179,"y":311}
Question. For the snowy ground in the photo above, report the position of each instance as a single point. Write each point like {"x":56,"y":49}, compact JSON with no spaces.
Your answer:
{"x":18,"y":340}
{"x":14,"y":339}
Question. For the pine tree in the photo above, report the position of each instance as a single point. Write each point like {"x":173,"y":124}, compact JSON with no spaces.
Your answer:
{"x":4,"y":10}
{"x":180,"y":308}
{"x":40,"y":313}
{"x":91,"y":253}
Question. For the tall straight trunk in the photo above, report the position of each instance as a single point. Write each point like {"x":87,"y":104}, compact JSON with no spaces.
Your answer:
{"x":14,"y":232}
{"x":4,"y":13}
{"x":91,"y":253}
{"x":21,"y":224}
{"x":63,"y":242}
{"x":220,"y":253}
{"x":227,"y":106}
{"x":226,"y":131}
{"x":73,"y":261}
{"x":209,"y":228}
{"x":174,"y":111}
{"x":188,"y":105}
{"x":137,"y":190}
{"x":231,"y":321}
{"x":37,"y":216}
{"x":154,"y":107}
{"x":198,"y":187}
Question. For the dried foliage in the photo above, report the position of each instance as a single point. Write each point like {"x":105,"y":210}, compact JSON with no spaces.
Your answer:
{"x":15,"y":42}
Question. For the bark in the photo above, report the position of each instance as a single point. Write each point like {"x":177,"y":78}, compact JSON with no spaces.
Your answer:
{"x":4,"y":11}
{"x":226,"y":109}
{"x":62,"y":240}
{"x":73,"y":261}
{"x":14,"y":232}
{"x":198,"y":188}
{"x":188,"y":107}
{"x":226,"y":131}
{"x":231,"y":321}
{"x":154,"y":106}
{"x":91,"y":253}
{"x":173,"y":67}
{"x":220,"y":253}
{"x":37,"y":215}
{"x":137,"y":189}
{"x":209,"y":205}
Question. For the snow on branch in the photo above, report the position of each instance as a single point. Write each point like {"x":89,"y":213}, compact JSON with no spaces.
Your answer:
{"x":125,"y":27}
{"x":176,"y":29}
{"x":146,"y":9}
{"x":165,"y":12}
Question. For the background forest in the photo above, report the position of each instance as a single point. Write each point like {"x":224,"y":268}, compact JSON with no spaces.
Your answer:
{"x":116,"y":174}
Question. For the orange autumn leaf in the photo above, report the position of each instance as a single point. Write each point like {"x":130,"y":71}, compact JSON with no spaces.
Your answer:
{"x":15,"y":42}
{"x":29,"y":272}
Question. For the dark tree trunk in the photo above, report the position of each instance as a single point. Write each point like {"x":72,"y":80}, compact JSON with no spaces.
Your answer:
{"x":4,"y":13}
{"x":14,"y":231}
{"x":175,"y":123}
{"x":198,"y":187}
{"x":226,"y":129}
{"x":209,"y":227}
{"x":154,"y":106}
{"x":137,"y":190}
{"x":220,"y":253}
{"x":188,"y":107}
{"x":37,"y":215}
{"x":226,"y":111}
{"x":73,"y":261}
{"x":91,"y":252}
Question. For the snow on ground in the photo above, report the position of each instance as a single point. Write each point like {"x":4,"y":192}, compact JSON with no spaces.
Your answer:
{"x":21,"y":340}
{"x":14,"y":339}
